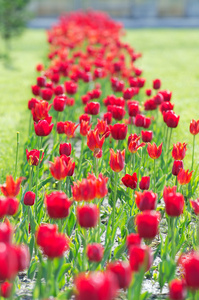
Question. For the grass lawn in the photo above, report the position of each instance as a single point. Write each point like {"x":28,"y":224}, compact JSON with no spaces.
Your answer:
{"x":171,"y":55}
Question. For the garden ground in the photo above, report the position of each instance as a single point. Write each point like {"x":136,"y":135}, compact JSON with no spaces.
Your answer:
{"x":169,"y":54}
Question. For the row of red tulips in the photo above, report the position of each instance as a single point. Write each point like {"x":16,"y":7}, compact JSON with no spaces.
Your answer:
{"x":85,"y":226}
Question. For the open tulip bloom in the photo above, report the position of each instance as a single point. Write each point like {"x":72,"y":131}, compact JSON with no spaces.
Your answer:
{"x":101,"y":193}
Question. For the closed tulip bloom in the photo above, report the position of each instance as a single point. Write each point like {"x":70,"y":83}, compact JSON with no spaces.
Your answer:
{"x":23,"y":257}
{"x":150,"y":104}
{"x":166,"y":94}
{"x":174,"y":204}
{"x":156,"y":84}
{"x":8,"y":262}
{"x":147,"y":136}
{"x":171,"y":119}
{"x":29,"y":198}
{"x":33,"y":157}
{"x":60,"y":127}
{"x":56,"y":246}
{"x":85,"y":118}
{"x":44,"y":233}
{"x":158,"y":99}
{"x":133,"y":239}
{"x":70,"y":87}
{"x":43,"y":128}
{"x":184,"y":177}
{"x":117,"y":160}
{"x":46,"y":94}
{"x":147,"y":122}
{"x":6,"y":289}
{"x":130,"y":180}
{"x":195,"y":206}
{"x":88,"y":215}
{"x":32,"y":102}
{"x":177,"y":165}
{"x":96,"y":285}
{"x":11,"y":188}
{"x":140,"y":82}
{"x":194,"y":127}
{"x":177,"y":290}
{"x":95,"y":252}
{"x":118,"y":131}
{"x":179,"y":151}
{"x":12,"y":206}
{"x":148,"y":92}
{"x":147,"y":224}
{"x":108,"y":117}
{"x":122,"y":271}
{"x":139,"y":120}
{"x":92,"y":108}
{"x":165,"y":106}
{"x":69,"y":128}
{"x":41,"y":81}
{"x":140,"y":256}
{"x":59,"y":90}
{"x":65,"y":149}
{"x":144,"y":183}
{"x":59,"y":103}
{"x":6,"y":232}
{"x":146,"y":200}
{"x":35,"y":90}
{"x":118,"y":112}
{"x":3,"y":207}
{"x":128,"y":93}
{"x":190,"y":264}
{"x":57,"y":204}
{"x":154,"y":151}
{"x":133,"y":108}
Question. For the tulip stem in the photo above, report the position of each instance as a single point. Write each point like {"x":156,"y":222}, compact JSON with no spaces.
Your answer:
{"x":154,"y":177}
{"x":81,"y":156}
{"x":138,"y":177}
{"x":172,"y":236}
{"x":114,"y":200}
{"x":37,"y":175}
{"x":17,"y":150}
{"x":84,"y":250}
{"x":193,"y":152}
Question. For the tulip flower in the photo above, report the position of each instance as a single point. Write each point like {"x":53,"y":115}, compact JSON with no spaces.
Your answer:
{"x":174,"y":204}
{"x":95,"y":252}
{"x":118,"y":131}
{"x":148,"y":92}
{"x":59,"y":103}
{"x":44,"y":233}
{"x":166,"y":94}
{"x":33,"y":157}
{"x":118,"y":112}
{"x":40,"y":111}
{"x":8,"y":262}
{"x":134,"y":143}
{"x":177,"y":165}
{"x":179,"y":151}
{"x":133,"y":239}
{"x":146,"y":200}
{"x":117,"y":160}
{"x":92,"y":108}
{"x":65,"y":149}
{"x":194,"y":130}
{"x":3,"y":207}
{"x":32,"y":102}
{"x":23,"y":257}
{"x":144,"y":183}
{"x":41,"y":81}
{"x":35,"y":90}
{"x":70,"y":87}
{"x":158,"y":99}
{"x":156,"y":84}
{"x":85,"y":118}
{"x":94,"y":142}
{"x":177,"y":290}
{"x":195,"y":206}
{"x":62,"y":167}
{"x":171,"y":119}
{"x":6,"y":289}
{"x":130,"y":180}
{"x":190,"y":265}
{"x":165,"y":106}
{"x":154,"y":151}
{"x":147,"y":224}
{"x":133,"y":108}
{"x":184,"y":177}
{"x":150,"y":104}
{"x":60,"y":127}
{"x":147,"y":136}
{"x":69,"y":128}
{"x":108,"y":117}
{"x":140,"y":256}
{"x":57,"y":204}
{"x":55,"y":246}
{"x":122,"y":270}
{"x":29,"y":198}
{"x":43,"y":128}
{"x":46,"y":94}
{"x":11,"y":188}
{"x":87,"y":215}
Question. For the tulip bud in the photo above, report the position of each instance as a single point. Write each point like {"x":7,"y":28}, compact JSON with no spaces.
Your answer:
{"x":95,"y":252}
{"x":177,"y":290}
{"x":156,"y":84}
{"x":87,"y":215}
{"x":177,"y":165}
{"x":29,"y":198}
{"x":144,"y":183}
{"x":147,"y":136}
{"x":123,"y":272}
{"x":65,"y":148}
{"x":147,"y":224}
{"x":140,"y":256}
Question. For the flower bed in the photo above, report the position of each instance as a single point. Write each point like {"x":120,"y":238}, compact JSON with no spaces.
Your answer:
{"x":105,"y":201}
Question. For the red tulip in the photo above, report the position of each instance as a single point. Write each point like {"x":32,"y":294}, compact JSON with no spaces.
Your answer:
{"x":6,"y":232}
{"x":134,"y":143}
{"x":35,"y":90}
{"x":195,"y":206}
{"x":144,"y":183}
{"x":59,"y":103}
{"x":194,"y":127}
{"x":140,"y":256}
{"x":69,"y":128}
{"x":60,"y":127}
{"x":119,"y":131}
{"x":166,"y":94}
{"x":177,"y":165}
{"x":130,"y":180}
{"x":32,"y":102}
{"x":108,"y":117}
{"x":179,"y":151}
{"x":95,"y":252}
{"x":150,"y":104}
{"x":59,"y":90}
{"x":40,"y":111}
{"x":29,"y":198}
{"x":56,"y":245}
{"x":87,"y":215}
{"x":12,"y":206}
{"x":43,"y":128}
{"x":147,"y":136}
{"x":139,"y":120}
{"x":41,"y":81}
{"x":101,"y":126}
{"x":33,"y":157}
{"x":174,"y":202}
{"x":165,"y":106}
{"x":177,"y":290}
{"x":118,"y":112}
{"x":171,"y":119}
{"x":190,"y":265}
{"x":123,"y":272}
{"x":57,"y":204}
{"x":94,"y":142}
{"x":133,"y":239}
{"x":3,"y":207}
{"x":62,"y":167}
{"x":158,"y":99}
{"x":117,"y":160}
{"x":133,"y":108}
{"x":146,"y":200}
{"x":8,"y":262}
{"x":128,"y":93}
{"x":23,"y":257}
{"x":147,"y":224}
{"x":44,"y":233}
{"x":92,"y":108}
{"x":46,"y":94}
{"x":11,"y":188}
{"x":184,"y":177}
{"x":148,"y":92}
{"x":156,"y":84}
{"x":100,"y":184}
{"x":70,"y":87}
{"x":65,"y":149}
{"x":85,"y":118}
{"x":154,"y":151}
{"x":6,"y":289}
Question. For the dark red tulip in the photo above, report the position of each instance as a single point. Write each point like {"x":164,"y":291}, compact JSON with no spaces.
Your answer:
{"x":171,"y":119}
{"x":144,"y":183}
{"x":130,"y":180}
{"x":59,"y":90}
{"x":147,"y":136}
{"x":139,"y":120}
{"x":41,"y":81}
{"x":33,"y":157}
{"x":12,"y":206}
{"x":194,"y":127}
{"x":133,"y":108}
{"x":57,"y":204}
{"x":59,"y":103}
{"x":140,"y":82}
{"x":166,"y":94}
{"x":32,"y":102}
{"x":140,"y":256}
{"x":108,"y":117}
{"x":119,"y":131}
{"x":85,"y":118}
{"x":148,"y":92}
{"x":36,"y":90}
{"x":60,"y":127}
{"x":92,"y":108}
{"x":29,"y":198}
{"x":43,"y":128}
{"x":87,"y":215}
{"x":65,"y":148}
{"x":150,"y":104}
{"x":165,"y":106}
{"x":3,"y":207}
{"x":122,"y":271}
{"x":177,"y":290}
{"x":147,"y":224}
{"x":146,"y":200}
{"x":128,"y":93}
{"x":174,"y":202}
{"x":156,"y":84}
{"x":95,"y":252}
{"x":6,"y":289}
{"x":118,"y":112}
{"x":158,"y":99}
{"x":46,"y":94}
{"x":177,"y":165}
{"x":23,"y":257}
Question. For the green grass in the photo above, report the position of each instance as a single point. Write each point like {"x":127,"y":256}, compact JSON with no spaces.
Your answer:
{"x":171,"y":55}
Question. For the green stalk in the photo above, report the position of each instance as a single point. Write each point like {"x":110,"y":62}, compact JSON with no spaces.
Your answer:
{"x":114,"y":199}
{"x":81,"y":156}
{"x":37,"y":175}
{"x":17,"y":150}
{"x":172,"y":236}
{"x":154,"y":177}
{"x":193,"y":152}
{"x":138,"y":177}
{"x":84,"y":250}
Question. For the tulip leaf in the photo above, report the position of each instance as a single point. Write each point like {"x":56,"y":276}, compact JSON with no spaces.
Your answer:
{"x":119,"y":250}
